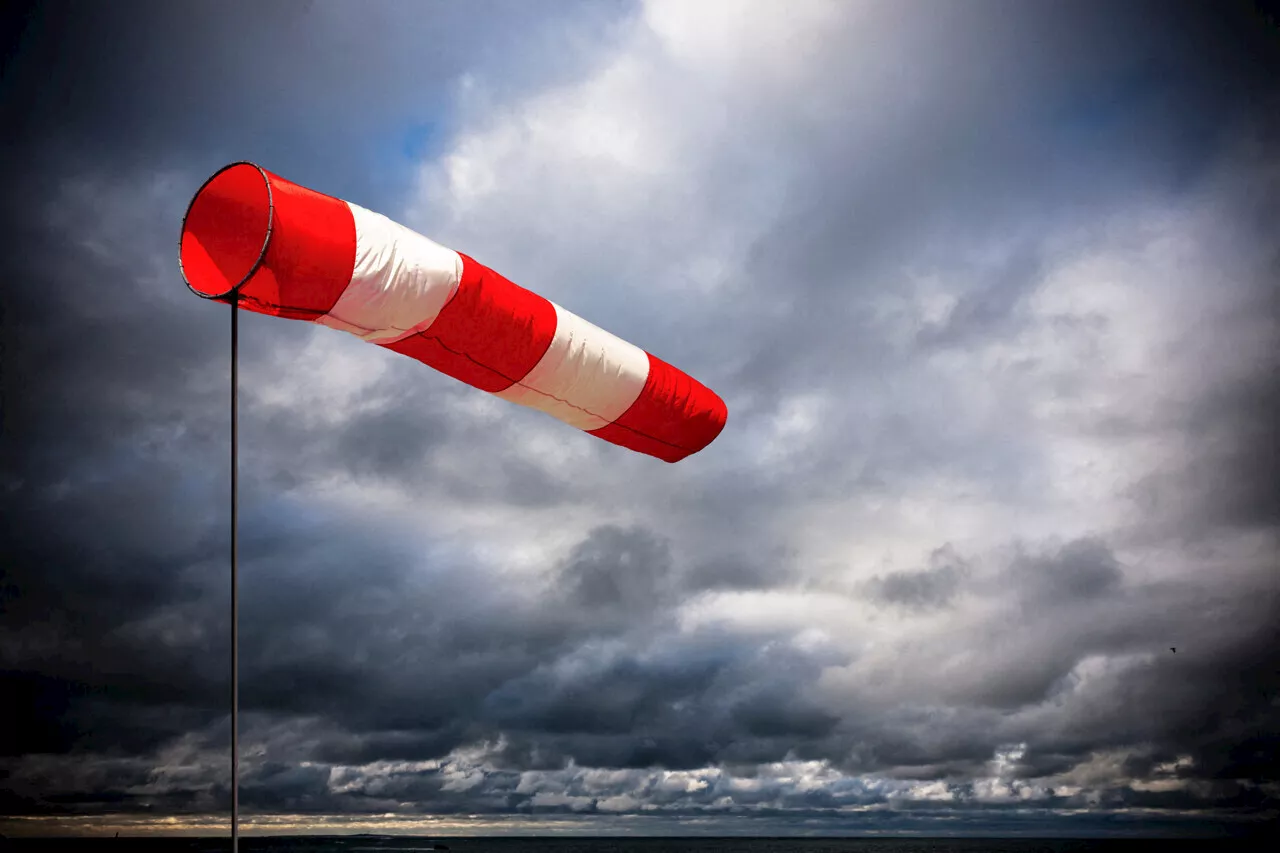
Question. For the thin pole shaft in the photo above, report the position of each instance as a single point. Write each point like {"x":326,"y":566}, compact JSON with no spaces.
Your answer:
{"x":235,"y":585}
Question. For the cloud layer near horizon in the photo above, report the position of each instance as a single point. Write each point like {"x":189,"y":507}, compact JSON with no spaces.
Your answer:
{"x":989,"y":292}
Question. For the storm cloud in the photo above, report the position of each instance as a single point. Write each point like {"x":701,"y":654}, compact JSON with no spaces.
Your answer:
{"x":989,"y":290}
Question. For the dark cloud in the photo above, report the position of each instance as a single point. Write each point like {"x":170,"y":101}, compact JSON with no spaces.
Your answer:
{"x":924,"y":589}
{"x":1234,"y":464}
{"x":1080,"y":569}
{"x":624,"y":570}
{"x":146,"y":85}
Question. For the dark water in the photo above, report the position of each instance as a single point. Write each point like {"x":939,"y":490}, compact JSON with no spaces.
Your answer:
{"x":349,"y":844}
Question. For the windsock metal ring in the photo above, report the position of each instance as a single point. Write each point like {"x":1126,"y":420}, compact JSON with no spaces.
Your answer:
{"x":262,"y":254}
{"x":274,"y":247}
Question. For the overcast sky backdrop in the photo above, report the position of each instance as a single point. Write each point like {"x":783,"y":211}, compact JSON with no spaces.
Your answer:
{"x":989,"y":289}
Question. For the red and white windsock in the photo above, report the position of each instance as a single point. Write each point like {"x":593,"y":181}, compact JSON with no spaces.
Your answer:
{"x":277,"y":248}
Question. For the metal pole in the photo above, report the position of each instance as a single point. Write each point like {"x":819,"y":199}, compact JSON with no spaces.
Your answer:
{"x":235,"y":586}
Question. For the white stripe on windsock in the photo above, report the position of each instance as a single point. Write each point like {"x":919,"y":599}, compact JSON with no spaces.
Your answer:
{"x":399,"y":285}
{"x":587,"y":378}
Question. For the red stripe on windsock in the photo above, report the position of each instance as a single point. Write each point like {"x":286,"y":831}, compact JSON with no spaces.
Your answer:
{"x":675,"y":416}
{"x":312,"y":253}
{"x":490,"y":335}
{"x":308,"y":260}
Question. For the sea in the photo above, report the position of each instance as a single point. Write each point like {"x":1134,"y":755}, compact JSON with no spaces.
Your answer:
{"x":359,"y":844}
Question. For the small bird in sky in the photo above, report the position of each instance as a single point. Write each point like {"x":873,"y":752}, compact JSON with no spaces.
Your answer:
{"x":1172,"y":649}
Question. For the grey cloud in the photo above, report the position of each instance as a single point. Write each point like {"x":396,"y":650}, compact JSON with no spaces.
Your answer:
{"x":1080,"y":569}
{"x":1233,"y":470}
{"x":391,"y":441}
{"x":985,"y":311}
{"x":628,"y":570}
{"x":740,"y":572}
{"x":924,"y":589}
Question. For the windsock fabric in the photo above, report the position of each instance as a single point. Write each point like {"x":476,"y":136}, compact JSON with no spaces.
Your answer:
{"x":281,"y":249}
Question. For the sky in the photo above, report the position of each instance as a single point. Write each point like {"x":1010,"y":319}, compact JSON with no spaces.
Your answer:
{"x":989,"y":290}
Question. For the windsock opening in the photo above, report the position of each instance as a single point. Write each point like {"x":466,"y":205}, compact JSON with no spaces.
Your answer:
{"x":226,"y":231}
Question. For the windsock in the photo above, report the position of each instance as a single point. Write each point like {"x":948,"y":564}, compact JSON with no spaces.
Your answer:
{"x":252,"y":238}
